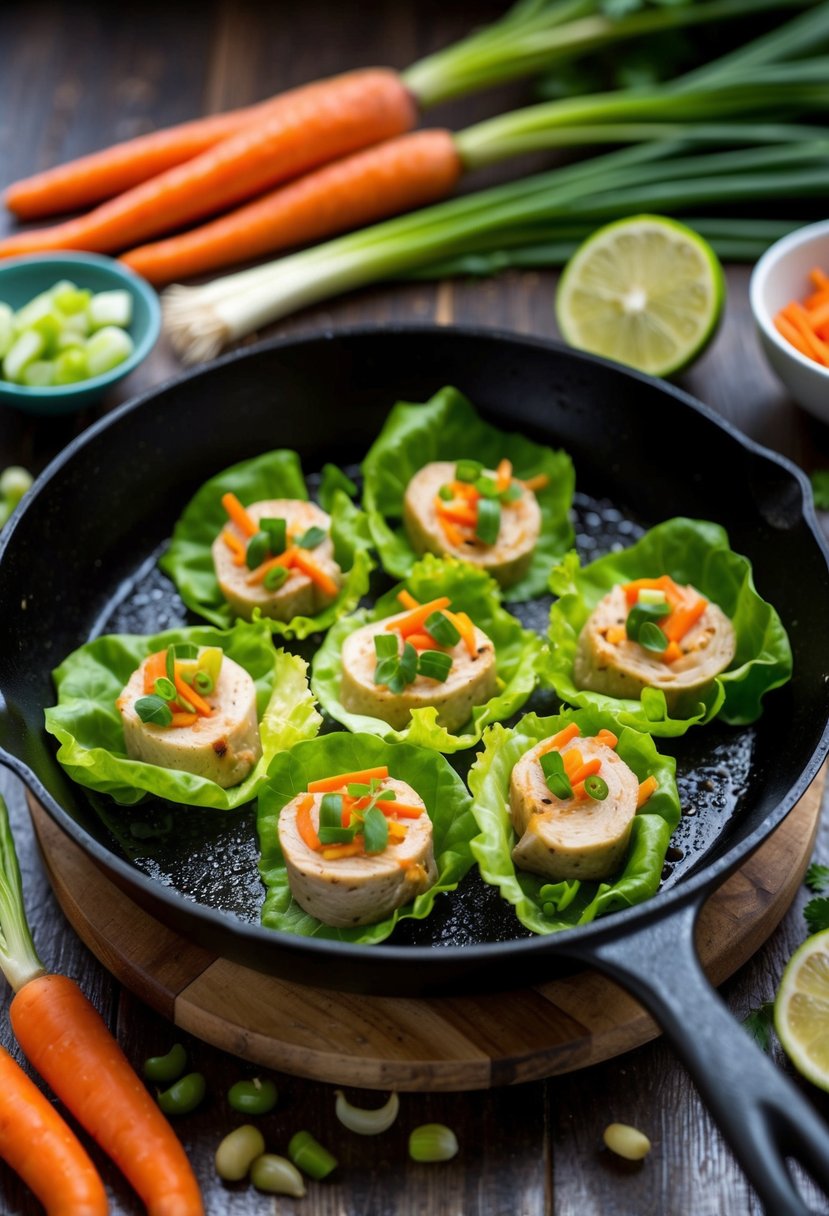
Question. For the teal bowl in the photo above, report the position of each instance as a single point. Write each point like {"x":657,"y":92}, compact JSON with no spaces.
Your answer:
{"x":23,"y":278}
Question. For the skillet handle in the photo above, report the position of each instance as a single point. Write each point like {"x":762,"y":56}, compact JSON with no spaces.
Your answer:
{"x":761,"y":1113}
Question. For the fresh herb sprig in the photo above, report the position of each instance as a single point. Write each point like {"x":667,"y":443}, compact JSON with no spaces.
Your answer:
{"x":397,"y":670}
{"x":370,"y":819}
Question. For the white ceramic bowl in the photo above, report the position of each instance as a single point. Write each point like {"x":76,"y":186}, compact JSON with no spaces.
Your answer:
{"x":781,"y":275}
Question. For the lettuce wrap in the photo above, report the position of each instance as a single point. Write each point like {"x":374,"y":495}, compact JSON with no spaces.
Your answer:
{"x":541,"y":905}
{"x":441,"y":789}
{"x":189,"y":563}
{"x":690,"y":551}
{"x":88,"y":727}
{"x":470,"y":590}
{"x":448,"y":428}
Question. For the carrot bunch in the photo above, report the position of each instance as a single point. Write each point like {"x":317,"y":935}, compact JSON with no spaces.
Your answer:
{"x":806,"y":324}
{"x":66,"y":1040}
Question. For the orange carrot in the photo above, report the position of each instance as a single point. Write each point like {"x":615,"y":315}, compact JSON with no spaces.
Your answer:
{"x":397,"y":831}
{"x":402,"y":809}
{"x":43,"y":1150}
{"x":571,"y":731}
{"x":664,"y":583}
{"x":414,"y":621}
{"x":328,"y":785}
{"x":190,"y":695}
{"x":66,"y":1040}
{"x":236,"y":547}
{"x":797,"y":314}
{"x":572,"y":760}
{"x":646,"y":789}
{"x":671,"y":653}
{"x":155,"y":668}
{"x":304,"y":823}
{"x":285,"y":559}
{"x":407,"y":599}
{"x":246,"y":525}
{"x":503,"y":475}
{"x":335,"y":851}
{"x":451,"y":531}
{"x":819,"y":278}
{"x":457,"y":513}
{"x":682,"y":619}
{"x":304,"y":562}
{"x":539,"y":482}
{"x":615,"y":634}
{"x":466,"y":629}
{"x":584,"y":771}
{"x":100,"y":175}
{"x":607,"y":737}
{"x":423,"y":641}
{"x":805,"y":326}
{"x":321,"y":122}
{"x":784,"y":326}
{"x":372,"y":184}
{"x":179,"y":719}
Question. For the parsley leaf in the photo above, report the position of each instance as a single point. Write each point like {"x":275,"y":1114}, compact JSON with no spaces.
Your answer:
{"x":817,"y":878}
{"x":817,"y":914}
{"x":820,"y":488}
{"x":759,"y":1023}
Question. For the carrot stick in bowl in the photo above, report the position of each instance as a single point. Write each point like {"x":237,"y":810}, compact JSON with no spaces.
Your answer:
{"x":66,"y":1040}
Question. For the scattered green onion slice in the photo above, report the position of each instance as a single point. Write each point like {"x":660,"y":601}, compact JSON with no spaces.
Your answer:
{"x":445,"y":493}
{"x":596,"y":787}
{"x":552,"y":766}
{"x":277,"y":533}
{"x":275,"y":578}
{"x":432,"y":1142}
{"x":336,"y":835}
{"x":468,"y":470}
{"x":512,"y":493}
{"x":375,"y":830}
{"x":310,"y":1156}
{"x":434,"y":664}
{"x":487,"y":486}
{"x":185,"y":650}
{"x":406,"y":669}
{"x":385,"y":645}
{"x":203,"y":683}
{"x":331,"y":811}
{"x":442,"y":630}
{"x":650,"y":595}
{"x":310,"y":539}
{"x":165,"y":689}
{"x":167,"y":1068}
{"x":651,"y":637}
{"x":489,"y":520}
{"x":258,"y":550}
{"x":153,"y":709}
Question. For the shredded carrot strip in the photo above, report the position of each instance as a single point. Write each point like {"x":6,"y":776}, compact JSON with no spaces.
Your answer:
{"x":464,"y":489}
{"x":407,"y":599}
{"x":452,"y":532}
{"x":799,"y":318}
{"x":539,"y":482}
{"x":816,"y":300}
{"x":819,"y":314}
{"x":192,"y":697}
{"x":154,"y":669}
{"x":236,"y":547}
{"x":607,"y":738}
{"x":335,"y":851}
{"x":671,"y":653}
{"x":673,"y":593}
{"x":397,"y":831}
{"x":646,"y":789}
{"x":414,"y":621}
{"x":304,"y":823}
{"x":304,"y":562}
{"x":184,"y":719}
{"x":466,"y":629}
{"x":681,"y":620}
{"x":588,"y":769}
{"x":573,"y":760}
{"x":457,"y":513}
{"x":503,"y":475}
{"x":785,"y":327}
{"x":329,"y":785}
{"x":819,"y":278}
{"x":402,"y":809}
{"x":571,"y":731}
{"x":616,"y":634}
{"x":238,"y":514}
{"x":423,"y":641}
{"x":286,"y":559}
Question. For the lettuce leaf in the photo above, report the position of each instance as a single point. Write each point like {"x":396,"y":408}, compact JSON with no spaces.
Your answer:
{"x":278,"y":474}
{"x":88,"y":726}
{"x":570,"y":902}
{"x":471,"y":590}
{"x":441,"y":789}
{"x":691,"y":551}
{"x":448,"y":428}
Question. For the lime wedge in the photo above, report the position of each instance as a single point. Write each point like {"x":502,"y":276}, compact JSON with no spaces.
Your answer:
{"x":801,"y":1009}
{"x":645,"y":291}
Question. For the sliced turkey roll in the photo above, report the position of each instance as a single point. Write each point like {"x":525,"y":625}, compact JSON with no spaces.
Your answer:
{"x":566,"y":838}
{"x":343,"y":891}
{"x":507,"y":558}
{"x":610,"y":662}
{"x":222,"y":747}
{"x":299,"y":594}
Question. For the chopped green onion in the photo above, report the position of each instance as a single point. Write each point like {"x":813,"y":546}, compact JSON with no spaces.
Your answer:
{"x":439,"y":627}
{"x":386,"y":671}
{"x":277,"y":531}
{"x":165,"y":689}
{"x":512,"y":493}
{"x":258,"y":550}
{"x":651,"y":637}
{"x":375,"y":830}
{"x":650,"y":595}
{"x":434,"y":665}
{"x":406,"y":669}
{"x":487,"y":487}
{"x":385,"y":645}
{"x":170,"y":664}
{"x":357,"y":790}
{"x":185,"y":650}
{"x":310,"y":539}
{"x":336,"y":835}
{"x":552,"y":766}
{"x":596,"y":787}
{"x":203,"y":683}
{"x":445,"y":493}
{"x":489,"y":520}
{"x":309,"y":1155}
{"x":331,"y":811}
{"x":275,"y":578}
{"x":468,"y":470}
{"x":153,"y":710}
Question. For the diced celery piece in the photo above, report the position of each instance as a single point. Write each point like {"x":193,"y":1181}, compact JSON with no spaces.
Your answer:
{"x":50,"y":327}
{"x":39,"y":374}
{"x":77,"y":323}
{"x":69,"y":339}
{"x":210,"y":661}
{"x":24,"y":350}
{"x":71,"y":366}
{"x":110,"y":308}
{"x":6,"y":328}
{"x":40,"y":306}
{"x":71,"y":299}
{"x":106,"y":349}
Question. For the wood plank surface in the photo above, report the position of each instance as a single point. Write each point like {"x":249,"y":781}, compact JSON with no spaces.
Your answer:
{"x":77,"y":76}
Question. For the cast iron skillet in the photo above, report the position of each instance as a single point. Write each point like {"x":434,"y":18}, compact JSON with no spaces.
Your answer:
{"x":79,"y":559}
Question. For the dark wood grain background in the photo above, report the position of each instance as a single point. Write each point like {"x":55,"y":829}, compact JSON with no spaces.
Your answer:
{"x":76,"y":76}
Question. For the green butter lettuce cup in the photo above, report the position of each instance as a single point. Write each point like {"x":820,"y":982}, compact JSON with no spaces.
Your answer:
{"x":189,"y":561}
{"x":690,"y":551}
{"x":444,"y":794}
{"x":541,"y":905}
{"x":88,"y":726}
{"x":471,"y":590}
{"x":448,"y":428}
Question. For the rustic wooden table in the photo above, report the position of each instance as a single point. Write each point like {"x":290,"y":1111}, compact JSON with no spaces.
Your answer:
{"x":77,"y":76}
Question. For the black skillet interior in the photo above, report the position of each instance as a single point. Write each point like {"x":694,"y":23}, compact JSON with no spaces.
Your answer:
{"x":81,"y":561}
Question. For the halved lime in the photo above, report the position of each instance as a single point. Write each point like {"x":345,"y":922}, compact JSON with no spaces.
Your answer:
{"x":801,"y":1009}
{"x":645,"y":291}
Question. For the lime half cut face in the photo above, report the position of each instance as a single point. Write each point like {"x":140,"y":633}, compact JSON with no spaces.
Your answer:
{"x":801,"y":1009}
{"x":645,"y":291}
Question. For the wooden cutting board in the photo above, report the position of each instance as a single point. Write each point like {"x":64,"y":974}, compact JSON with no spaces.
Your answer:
{"x":447,"y":1043}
